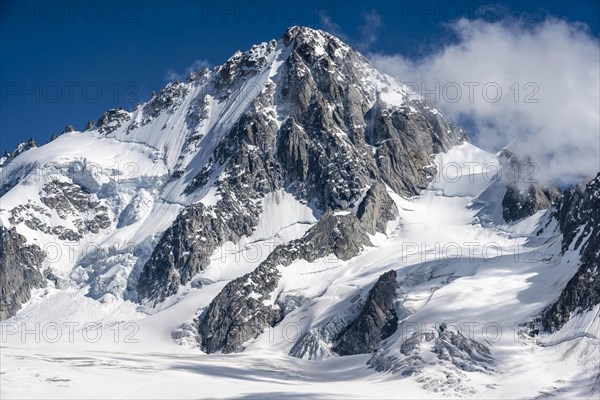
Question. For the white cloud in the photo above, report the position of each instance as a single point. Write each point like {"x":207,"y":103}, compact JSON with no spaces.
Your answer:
{"x":197,"y":65}
{"x":553,"y":62}
{"x":369,"y":31}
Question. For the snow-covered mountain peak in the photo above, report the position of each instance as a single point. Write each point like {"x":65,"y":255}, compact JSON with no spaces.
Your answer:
{"x":295,"y":185}
{"x":306,"y":113}
{"x":317,"y":40}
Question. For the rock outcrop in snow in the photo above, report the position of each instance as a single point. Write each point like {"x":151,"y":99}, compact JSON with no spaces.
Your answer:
{"x":21,"y":147}
{"x":449,"y":348}
{"x":377,"y":209}
{"x":519,"y":204}
{"x":524,"y":195}
{"x":246,"y":306}
{"x":377,"y":320}
{"x":185,"y":248}
{"x":578,"y":216}
{"x":20,"y":265}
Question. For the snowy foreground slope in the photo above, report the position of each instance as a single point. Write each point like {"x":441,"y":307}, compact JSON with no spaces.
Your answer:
{"x":291,"y":223}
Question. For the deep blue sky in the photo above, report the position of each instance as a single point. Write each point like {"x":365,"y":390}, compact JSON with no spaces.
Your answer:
{"x":67,"y":62}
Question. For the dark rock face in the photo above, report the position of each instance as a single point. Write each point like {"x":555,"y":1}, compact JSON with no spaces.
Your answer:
{"x":524,"y":194}
{"x":377,"y":209}
{"x":112,"y":119}
{"x":578,"y":215}
{"x":185,"y":248}
{"x":19,"y":271}
{"x":518,"y":205}
{"x":245,"y":307}
{"x":376,"y":322}
{"x":327,"y":97}
{"x":238,"y":313}
{"x":337,"y":233}
{"x":411,"y":132}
